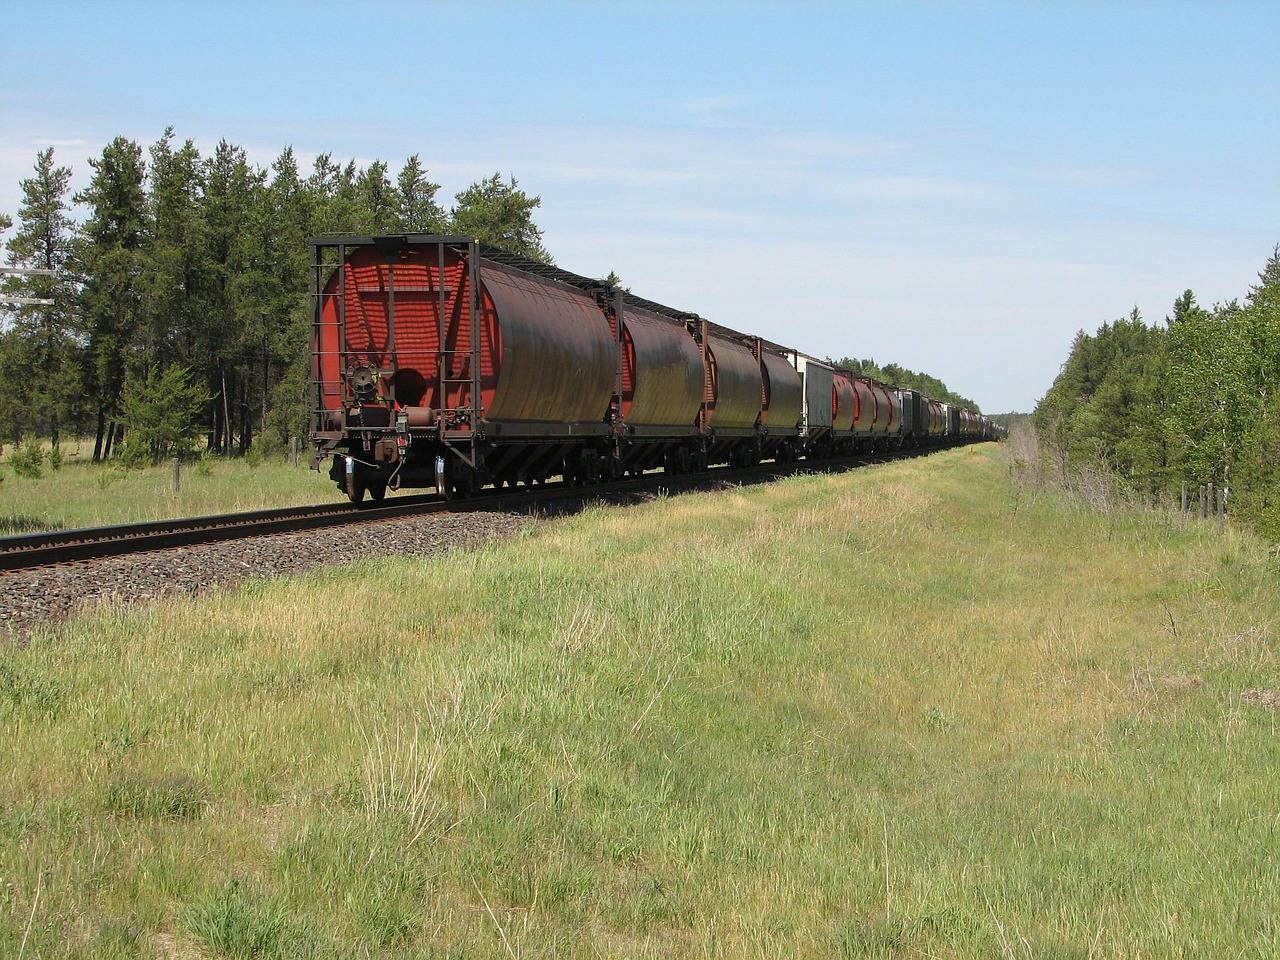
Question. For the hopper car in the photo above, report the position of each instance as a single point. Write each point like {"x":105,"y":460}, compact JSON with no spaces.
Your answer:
{"x":439,"y":361}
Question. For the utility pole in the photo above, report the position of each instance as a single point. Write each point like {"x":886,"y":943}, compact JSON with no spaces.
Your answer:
{"x":25,"y":301}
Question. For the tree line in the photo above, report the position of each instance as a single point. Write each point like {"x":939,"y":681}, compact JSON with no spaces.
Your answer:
{"x":179,"y":298}
{"x":1194,"y":400}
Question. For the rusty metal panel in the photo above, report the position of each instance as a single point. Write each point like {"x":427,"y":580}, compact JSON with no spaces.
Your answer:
{"x":865,"y":415}
{"x":558,"y":360}
{"x":844,"y":401}
{"x":884,"y":407}
{"x":736,"y":380}
{"x":937,"y":419}
{"x":785,"y":392}
{"x":663,"y":381}
{"x":896,"y":410}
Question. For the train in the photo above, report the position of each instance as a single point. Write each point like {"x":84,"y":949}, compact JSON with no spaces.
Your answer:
{"x":443,"y":362}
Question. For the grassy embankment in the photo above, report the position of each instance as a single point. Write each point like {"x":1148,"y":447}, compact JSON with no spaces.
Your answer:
{"x":884,"y":714}
{"x":81,"y":493}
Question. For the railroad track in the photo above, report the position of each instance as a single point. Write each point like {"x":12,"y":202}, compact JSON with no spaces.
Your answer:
{"x":28,"y":551}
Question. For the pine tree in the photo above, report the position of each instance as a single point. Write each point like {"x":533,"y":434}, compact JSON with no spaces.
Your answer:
{"x":501,"y":214}
{"x":108,"y":257}
{"x":416,"y":207}
{"x":177,"y":278}
{"x":231,"y":325}
{"x":39,"y":358}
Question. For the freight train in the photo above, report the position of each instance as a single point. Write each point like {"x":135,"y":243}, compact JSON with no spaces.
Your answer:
{"x":443,"y":362}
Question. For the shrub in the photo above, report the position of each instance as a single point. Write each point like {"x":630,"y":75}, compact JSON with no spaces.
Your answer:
{"x":162,"y":416}
{"x":26,"y":460}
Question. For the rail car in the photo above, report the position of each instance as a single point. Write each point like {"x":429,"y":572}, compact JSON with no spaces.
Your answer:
{"x":438,"y":361}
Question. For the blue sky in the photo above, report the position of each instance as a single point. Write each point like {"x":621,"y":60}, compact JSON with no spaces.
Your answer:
{"x":954,"y":187}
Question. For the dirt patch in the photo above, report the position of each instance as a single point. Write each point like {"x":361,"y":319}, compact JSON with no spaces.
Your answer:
{"x":1262,"y":697}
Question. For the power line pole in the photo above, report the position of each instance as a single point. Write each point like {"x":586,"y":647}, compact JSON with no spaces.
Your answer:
{"x":26,"y":301}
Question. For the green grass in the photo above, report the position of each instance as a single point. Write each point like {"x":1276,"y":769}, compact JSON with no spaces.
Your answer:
{"x":81,"y":493}
{"x":873,"y":715}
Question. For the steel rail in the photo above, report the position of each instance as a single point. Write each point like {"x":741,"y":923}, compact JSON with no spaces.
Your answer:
{"x":28,"y":551}
{"x":90,"y":543}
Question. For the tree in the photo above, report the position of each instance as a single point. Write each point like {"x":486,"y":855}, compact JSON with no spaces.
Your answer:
{"x":233,"y":318}
{"x":162,"y":415}
{"x":416,"y":207}
{"x":1213,"y":399}
{"x":1255,"y":482}
{"x":377,"y":202}
{"x":332,"y":193}
{"x":501,"y":214}
{"x":176,"y":275}
{"x":287,"y":322}
{"x":1108,"y":406}
{"x":39,"y":357}
{"x":107,"y":255}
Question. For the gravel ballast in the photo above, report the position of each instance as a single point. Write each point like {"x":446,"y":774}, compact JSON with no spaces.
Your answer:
{"x":31,"y":597}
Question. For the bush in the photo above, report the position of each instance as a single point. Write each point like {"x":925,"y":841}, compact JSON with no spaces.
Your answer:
{"x":26,"y":460}
{"x":162,"y":416}
{"x":265,"y":446}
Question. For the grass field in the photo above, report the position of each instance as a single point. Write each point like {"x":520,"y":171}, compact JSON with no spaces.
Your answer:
{"x":81,"y":493}
{"x":901,"y":712}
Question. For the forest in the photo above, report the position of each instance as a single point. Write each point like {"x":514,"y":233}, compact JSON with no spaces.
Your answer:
{"x":1195,"y":399}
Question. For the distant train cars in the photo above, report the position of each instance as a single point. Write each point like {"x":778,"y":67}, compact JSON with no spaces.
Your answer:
{"x":442,"y":362}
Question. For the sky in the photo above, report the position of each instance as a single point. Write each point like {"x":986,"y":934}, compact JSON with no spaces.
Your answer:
{"x":957,"y":188}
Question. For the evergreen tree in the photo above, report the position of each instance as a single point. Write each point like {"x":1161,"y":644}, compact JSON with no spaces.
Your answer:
{"x":108,"y":257}
{"x":39,"y":354}
{"x":287,"y":230}
{"x":416,"y":207}
{"x":1108,"y":406}
{"x":333,"y":197}
{"x":377,"y":202}
{"x":232,"y":323}
{"x":162,"y":414}
{"x":501,"y":214}
{"x":177,"y":276}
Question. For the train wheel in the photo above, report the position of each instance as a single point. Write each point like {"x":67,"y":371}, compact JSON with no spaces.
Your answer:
{"x":353,"y":484}
{"x":444,"y":482}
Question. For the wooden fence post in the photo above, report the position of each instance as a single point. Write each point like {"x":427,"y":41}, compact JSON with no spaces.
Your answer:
{"x":176,"y":481}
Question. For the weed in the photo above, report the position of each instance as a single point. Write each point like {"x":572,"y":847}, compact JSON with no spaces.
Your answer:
{"x":240,"y":924}
{"x":17,"y":524}
{"x":173,"y":797}
{"x":27,"y":688}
